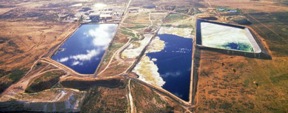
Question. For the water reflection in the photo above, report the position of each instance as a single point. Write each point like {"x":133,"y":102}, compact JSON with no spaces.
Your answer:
{"x":174,"y":63}
{"x":84,"y":49}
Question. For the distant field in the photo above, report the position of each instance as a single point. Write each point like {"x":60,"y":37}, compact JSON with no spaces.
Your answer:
{"x":273,"y":29}
{"x":268,"y":6}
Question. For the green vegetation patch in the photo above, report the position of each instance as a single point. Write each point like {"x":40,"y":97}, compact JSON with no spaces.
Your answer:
{"x":225,"y":105}
{"x":46,"y":81}
{"x":212,"y":104}
{"x":3,"y":40}
{"x":185,"y":26}
{"x":10,"y":77}
{"x":128,"y":32}
{"x":179,"y":26}
{"x":94,"y":94}
{"x":147,"y":100}
{"x":264,"y":24}
{"x":13,"y":44}
{"x":280,"y":16}
{"x":137,"y":26}
{"x":242,"y":21}
{"x":280,"y":78}
{"x":246,"y":83}
{"x":175,"y":17}
{"x":182,"y":9}
{"x":102,"y":99}
{"x":111,"y":50}
{"x":16,"y":75}
{"x":115,"y":46}
{"x":3,"y":72}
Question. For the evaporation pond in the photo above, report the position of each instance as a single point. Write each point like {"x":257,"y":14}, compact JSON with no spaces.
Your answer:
{"x":228,"y":37}
{"x":174,"y":63}
{"x":84,"y":50}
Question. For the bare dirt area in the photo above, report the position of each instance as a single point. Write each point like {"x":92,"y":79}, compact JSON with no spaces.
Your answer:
{"x":59,"y":100}
{"x":27,"y":33}
{"x":152,"y":100}
{"x":107,"y":95}
{"x":26,"y":42}
{"x":238,"y":84}
{"x":28,"y":39}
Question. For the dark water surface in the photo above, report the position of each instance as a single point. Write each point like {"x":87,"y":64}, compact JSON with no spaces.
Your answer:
{"x":174,"y":63}
{"x":83,"y":51}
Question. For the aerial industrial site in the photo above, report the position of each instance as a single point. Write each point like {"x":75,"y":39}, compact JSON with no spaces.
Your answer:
{"x":144,"y":56}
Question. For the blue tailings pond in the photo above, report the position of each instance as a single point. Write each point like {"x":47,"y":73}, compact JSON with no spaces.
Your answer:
{"x":85,"y":48}
{"x":174,"y":63}
{"x":238,"y":46}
